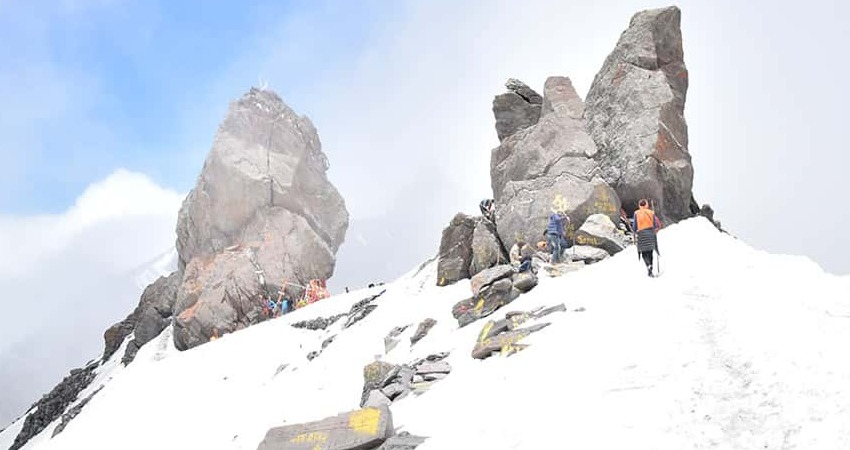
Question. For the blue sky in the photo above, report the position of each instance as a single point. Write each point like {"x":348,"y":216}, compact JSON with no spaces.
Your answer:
{"x":90,"y":86}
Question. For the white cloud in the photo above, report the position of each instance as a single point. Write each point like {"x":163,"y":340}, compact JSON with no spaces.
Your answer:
{"x":65,"y":278}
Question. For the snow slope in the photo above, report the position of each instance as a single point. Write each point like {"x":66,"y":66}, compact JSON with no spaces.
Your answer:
{"x":730,"y":348}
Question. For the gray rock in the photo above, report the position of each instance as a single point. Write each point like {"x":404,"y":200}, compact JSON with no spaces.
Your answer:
{"x":393,"y":390}
{"x":262,"y":211}
{"x":587,"y":254}
{"x":52,"y":405}
{"x":377,"y":399}
{"x":599,"y":231}
{"x":436,"y":376}
{"x":422,"y":330}
{"x":513,"y":113}
{"x":319,"y":323}
{"x":487,"y":249}
{"x":402,"y":441}
{"x":522,"y":89}
{"x":355,"y":430}
{"x":361,"y":309}
{"x":73,"y":412}
{"x":490,"y":298}
{"x":487,"y":277}
{"x":524,"y":281}
{"x":549,"y":166}
{"x":374,"y":376}
{"x":392,"y":339}
{"x":455,"y":250}
{"x":635,"y":113}
{"x":434,"y":367}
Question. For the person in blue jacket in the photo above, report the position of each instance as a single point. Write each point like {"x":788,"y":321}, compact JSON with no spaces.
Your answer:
{"x":554,"y":235}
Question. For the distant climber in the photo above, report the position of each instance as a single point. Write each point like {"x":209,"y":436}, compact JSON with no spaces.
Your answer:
{"x":555,"y":236}
{"x":487,"y":209}
{"x":646,"y":224}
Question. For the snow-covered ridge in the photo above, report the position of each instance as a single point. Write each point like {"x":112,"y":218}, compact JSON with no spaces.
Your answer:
{"x":730,"y":348}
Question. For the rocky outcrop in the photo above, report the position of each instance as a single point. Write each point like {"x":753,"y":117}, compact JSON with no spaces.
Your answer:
{"x":549,"y":166}
{"x":263,"y":211}
{"x":385,"y":383}
{"x":422,"y":330}
{"x":516,"y":109}
{"x":361,"y":429}
{"x":598,"y":231}
{"x":153,"y":314}
{"x":487,"y":250}
{"x":635,"y":113}
{"x":455,"y":250}
{"x":491,"y":289}
{"x":53,"y":404}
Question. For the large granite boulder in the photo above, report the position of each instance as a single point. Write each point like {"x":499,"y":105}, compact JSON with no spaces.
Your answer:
{"x":635,"y":114}
{"x":455,"y":250}
{"x":599,"y":231}
{"x":549,"y":166}
{"x":262,"y":212}
{"x":487,"y":250}
{"x":516,"y":109}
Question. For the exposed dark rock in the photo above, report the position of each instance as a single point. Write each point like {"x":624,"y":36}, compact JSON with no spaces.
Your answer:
{"x":489,"y":276}
{"x":524,"y":281}
{"x":392,"y":339}
{"x":73,"y":412}
{"x":587,"y":254}
{"x":385,"y":383}
{"x":635,"y":113}
{"x":361,"y":429}
{"x":455,"y":250}
{"x":53,"y":404}
{"x":361,"y":309}
{"x":374,"y":377}
{"x":517,"y":109}
{"x":422,"y":330}
{"x":319,"y":323}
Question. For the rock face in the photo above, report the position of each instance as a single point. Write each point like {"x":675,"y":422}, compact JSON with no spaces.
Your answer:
{"x":635,"y":113}
{"x":263,"y":211}
{"x":549,"y":166}
{"x":455,"y":250}
{"x":52,"y":406}
{"x":517,"y":109}
{"x":487,"y":250}
{"x":599,"y":231}
{"x":153,"y":314}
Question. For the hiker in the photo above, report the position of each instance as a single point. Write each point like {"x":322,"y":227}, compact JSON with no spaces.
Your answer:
{"x":521,"y":255}
{"x":487,"y":209}
{"x":554,"y":234}
{"x":514,"y":254}
{"x":646,"y":224}
{"x":625,"y":223}
{"x":272,"y":306}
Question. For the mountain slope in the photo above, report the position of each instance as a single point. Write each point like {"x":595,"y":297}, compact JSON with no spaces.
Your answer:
{"x":730,"y":348}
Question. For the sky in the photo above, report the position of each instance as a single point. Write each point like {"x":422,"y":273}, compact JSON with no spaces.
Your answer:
{"x":96,"y":92}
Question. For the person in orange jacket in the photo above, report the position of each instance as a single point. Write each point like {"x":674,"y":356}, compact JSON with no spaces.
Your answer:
{"x":646,"y":224}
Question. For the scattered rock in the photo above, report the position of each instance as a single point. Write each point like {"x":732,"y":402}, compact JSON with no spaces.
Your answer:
{"x":422,"y":330}
{"x":374,"y":376}
{"x":517,"y":109}
{"x":487,"y":250}
{"x":549,"y":166}
{"x":377,"y":399}
{"x":53,"y":404}
{"x":262,"y":211}
{"x":504,"y":335}
{"x":599,"y":231}
{"x":361,"y":309}
{"x":355,"y":430}
{"x":635,"y":113}
{"x":455,"y":250}
{"x":433,"y":367}
{"x":319,"y":323}
{"x":395,"y":382}
{"x":490,"y":298}
{"x":392,"y":339}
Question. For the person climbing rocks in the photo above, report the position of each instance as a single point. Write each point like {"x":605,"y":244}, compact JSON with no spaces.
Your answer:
{"x":521,"y":255}
{"x":514,"y":254}
{"x":554,"y":235}
{"x":646,"y":224}
{"x":487,"y":207}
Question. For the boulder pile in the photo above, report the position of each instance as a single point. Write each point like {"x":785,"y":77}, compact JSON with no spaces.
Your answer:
{"x":491,"y":289}
{"x":385,"y":383}
{"x":503,"y":336}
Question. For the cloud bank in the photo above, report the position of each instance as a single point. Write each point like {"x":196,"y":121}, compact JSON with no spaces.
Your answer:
{"x":67,"y":277}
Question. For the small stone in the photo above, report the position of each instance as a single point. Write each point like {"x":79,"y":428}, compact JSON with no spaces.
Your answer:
{"x":435,"y":367}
